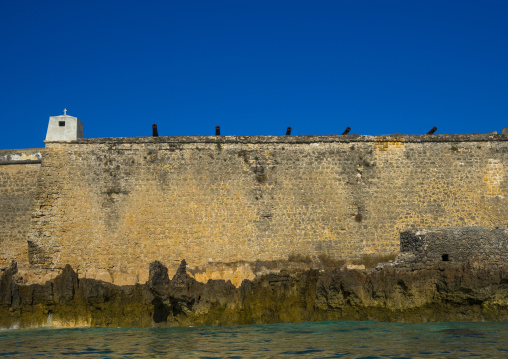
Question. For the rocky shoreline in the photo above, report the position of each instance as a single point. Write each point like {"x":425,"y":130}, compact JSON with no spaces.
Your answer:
{"x":445,"y":291}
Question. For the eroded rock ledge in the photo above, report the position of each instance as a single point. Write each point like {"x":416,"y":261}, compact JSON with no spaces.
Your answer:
{"x":446,"y":291}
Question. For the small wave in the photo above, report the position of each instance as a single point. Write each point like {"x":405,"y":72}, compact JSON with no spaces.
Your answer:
{"x":12,"y":327}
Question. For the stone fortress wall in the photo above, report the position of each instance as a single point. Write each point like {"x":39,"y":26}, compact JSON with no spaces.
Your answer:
{"x":18,"y":177}
{"x":110,"y":206}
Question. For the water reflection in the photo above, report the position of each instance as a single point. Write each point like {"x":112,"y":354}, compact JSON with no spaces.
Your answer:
{"x":313,"y":340}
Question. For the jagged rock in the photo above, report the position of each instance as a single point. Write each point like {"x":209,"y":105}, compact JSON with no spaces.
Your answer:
{"x":158,"y":275}
{"x":184,"y":290}
{"x":446,"y":291}
{"x":96,"y":292}
{"x":183,"y":286}
{"x":9,"y":293}
{"x":181,"y":278}
{"x":65,"y":285}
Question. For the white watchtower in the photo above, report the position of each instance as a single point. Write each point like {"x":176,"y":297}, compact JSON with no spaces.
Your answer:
{"x":64,"y":128}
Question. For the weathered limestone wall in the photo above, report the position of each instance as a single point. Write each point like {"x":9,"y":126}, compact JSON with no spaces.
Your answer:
{"x":110,"y":206}
{"x":18,"y":175}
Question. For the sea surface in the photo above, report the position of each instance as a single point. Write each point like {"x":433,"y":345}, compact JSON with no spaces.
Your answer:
{"x":340,"y":339}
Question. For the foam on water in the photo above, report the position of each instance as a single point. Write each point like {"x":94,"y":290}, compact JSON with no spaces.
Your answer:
{"x":312,"y":340}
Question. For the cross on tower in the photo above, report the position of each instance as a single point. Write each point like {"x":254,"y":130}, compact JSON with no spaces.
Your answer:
{"x":65,"y":112}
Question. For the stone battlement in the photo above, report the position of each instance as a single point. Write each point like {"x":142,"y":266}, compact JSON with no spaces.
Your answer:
{"x":473,"y":137}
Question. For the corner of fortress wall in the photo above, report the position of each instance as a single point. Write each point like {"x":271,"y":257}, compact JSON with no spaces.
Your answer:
{"x":110,"y":206}
{"x":19,"y":170}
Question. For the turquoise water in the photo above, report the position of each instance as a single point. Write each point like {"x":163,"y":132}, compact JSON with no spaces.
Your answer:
{"x":311,"y":340}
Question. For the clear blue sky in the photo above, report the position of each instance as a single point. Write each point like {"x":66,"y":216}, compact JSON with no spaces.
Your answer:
{"x":252,"y":67}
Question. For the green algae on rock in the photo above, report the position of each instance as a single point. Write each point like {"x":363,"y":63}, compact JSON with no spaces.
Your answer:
{"x":470,"y":291}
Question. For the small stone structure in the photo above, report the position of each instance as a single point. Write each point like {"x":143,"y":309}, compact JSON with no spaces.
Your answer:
{"x":64,"y":128}
{"x":455,"y":244}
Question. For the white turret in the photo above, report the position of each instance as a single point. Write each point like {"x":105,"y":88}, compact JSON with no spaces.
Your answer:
{"x":64,"y":128}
